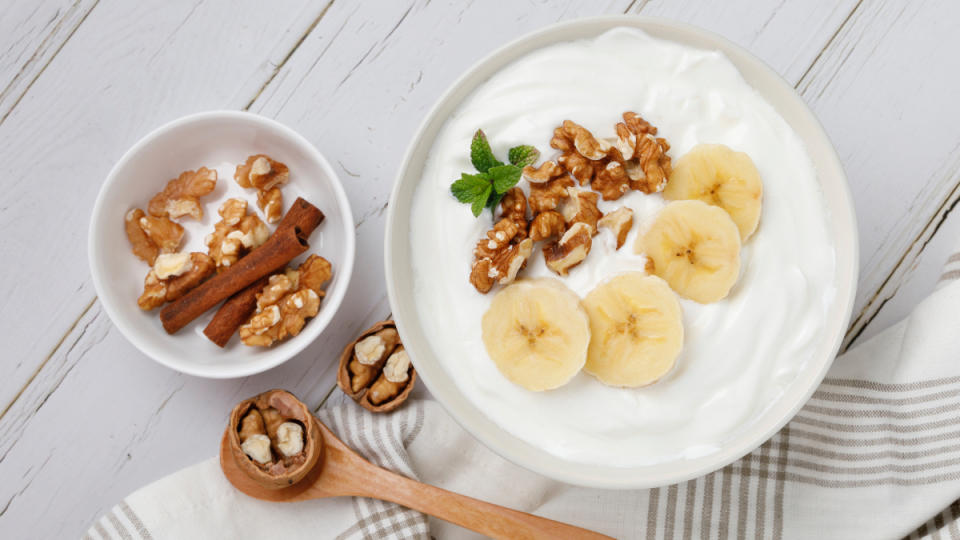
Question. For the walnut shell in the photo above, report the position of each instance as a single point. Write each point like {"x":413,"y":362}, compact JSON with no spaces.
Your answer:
{"x":343,"y":375}
{"x":280,"y":475}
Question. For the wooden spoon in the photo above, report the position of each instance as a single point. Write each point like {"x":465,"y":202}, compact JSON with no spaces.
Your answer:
{"x":342,"y":472}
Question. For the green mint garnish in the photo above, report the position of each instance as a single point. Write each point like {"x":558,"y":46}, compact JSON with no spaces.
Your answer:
{"x":480,"y":153}
{"x":486,"y":189}
{"x":523,"y":155}
{"x":504,"y":177}
{"x":469,"y":187}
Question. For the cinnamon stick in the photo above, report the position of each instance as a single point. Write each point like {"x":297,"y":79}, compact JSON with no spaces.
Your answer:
{"x":238,"y":308}
{"x":283,"y":246}
{"x":234,"y":312}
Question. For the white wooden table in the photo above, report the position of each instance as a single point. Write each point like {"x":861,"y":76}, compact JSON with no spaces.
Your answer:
{"x":85,"y":418}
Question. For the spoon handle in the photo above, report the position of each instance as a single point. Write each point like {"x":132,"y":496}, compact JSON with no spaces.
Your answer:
{"x":482,"y":517}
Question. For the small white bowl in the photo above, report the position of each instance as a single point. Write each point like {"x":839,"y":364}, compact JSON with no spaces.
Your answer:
{"x":218,"y":139}
{"x":842,"y":227}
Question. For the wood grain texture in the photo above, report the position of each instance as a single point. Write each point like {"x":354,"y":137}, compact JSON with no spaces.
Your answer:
{"x":885,"y":89}
{"x":125,"y":71}
{"x":356,"y":80}
{"x":31,"y":35}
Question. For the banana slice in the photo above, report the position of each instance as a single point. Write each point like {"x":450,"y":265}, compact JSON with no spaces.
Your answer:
{"x":695,"y":247}
{"x":715,"y":174}
{"x":636,"y":330}
{"x":537,"y":333}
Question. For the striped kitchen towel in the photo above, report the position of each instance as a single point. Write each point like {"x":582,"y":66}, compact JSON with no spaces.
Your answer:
{"x":874,"y":454}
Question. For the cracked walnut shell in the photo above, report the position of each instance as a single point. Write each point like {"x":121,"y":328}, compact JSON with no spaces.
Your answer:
{"x":181,"y":195}
{"x":385,"y":369}
{"x":287,"y":434}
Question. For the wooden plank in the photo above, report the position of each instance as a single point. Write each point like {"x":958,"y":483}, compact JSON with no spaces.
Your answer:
{"x":126,"y":74}
{"x":885,"y":91}
{"x":31,"y":35}
{"x":788,"y":36}
{"x":919,"y":274}
{"x":357,"y":87}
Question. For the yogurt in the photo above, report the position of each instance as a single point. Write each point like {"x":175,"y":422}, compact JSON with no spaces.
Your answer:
{"x":739,"y":353}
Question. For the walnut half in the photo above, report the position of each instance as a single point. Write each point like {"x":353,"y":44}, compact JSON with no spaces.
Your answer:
{"x":570,"y":250}
{"x":172,"y":276}
{"x":150,"y":236}
{"x":181,"y":195}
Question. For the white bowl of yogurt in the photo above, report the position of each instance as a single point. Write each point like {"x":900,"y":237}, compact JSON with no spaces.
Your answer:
{"x":749,"y":361}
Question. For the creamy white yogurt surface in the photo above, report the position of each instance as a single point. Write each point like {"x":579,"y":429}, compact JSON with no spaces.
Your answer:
{"x":739,"y":354}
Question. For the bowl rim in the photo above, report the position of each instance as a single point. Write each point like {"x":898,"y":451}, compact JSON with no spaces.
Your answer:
{"x":841,"y":222}
{"x":331,"y":302}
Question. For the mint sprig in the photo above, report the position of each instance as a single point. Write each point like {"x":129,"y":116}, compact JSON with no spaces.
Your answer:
{"x":486,"y":189}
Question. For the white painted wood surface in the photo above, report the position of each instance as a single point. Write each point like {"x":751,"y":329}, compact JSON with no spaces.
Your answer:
{"x":85,"y":418}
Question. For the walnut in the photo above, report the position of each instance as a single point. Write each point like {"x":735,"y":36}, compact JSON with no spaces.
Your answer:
{"x":619,"y":222}
{"x":611,"y":181}
{"x":644,"y":156}
{"x":266,"y":175}
{"x":172,"y":276}
{"x":369,"y":356}
{"x":513,"y":206}
{"x":235,"y":234}
{"x":582,"y":140}
{"x":547,"y":171}
{"x":546,"y":225}
{"x":181,"y":195}
{"x":273,"y":439}
{"x":570,"y":250}
{"x":261,"y":172}
{"x":498,"y":258}
{"x":580,"y":167}
{"x":286,"y":302}
{"x":393,"y":379}
{"x":314,"y":273}
{"x":149,"y":236}
{"x":279,"y":321}
{"x":548,"y":195}
{"x":271,"y":204}
{"x":581,"y":207}
{"x":278,"y":285}
{"x":375,"y":370}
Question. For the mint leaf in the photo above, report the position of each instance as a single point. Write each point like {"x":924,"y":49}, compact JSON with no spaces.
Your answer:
{"x":480,"y":202}
{"x":469,"y":187}
{"x":504,"y":177}
{"x":523,"y":155}
{"x":480,"y":153}
{"x":493,"y":202}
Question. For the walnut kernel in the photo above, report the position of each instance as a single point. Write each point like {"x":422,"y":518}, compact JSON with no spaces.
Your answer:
{"x":181,"y":195}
